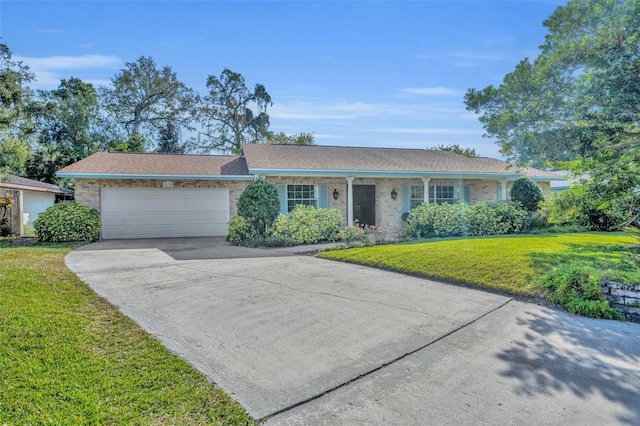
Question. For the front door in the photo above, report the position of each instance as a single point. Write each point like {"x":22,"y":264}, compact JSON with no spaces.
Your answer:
{"x":364,"y":204}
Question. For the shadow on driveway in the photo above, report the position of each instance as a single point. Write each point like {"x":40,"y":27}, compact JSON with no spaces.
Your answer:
{"x":203,"y":248}
{"x":583,"y":357}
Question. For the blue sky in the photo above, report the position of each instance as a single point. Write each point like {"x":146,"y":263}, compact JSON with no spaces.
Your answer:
{"x":386,"y":74}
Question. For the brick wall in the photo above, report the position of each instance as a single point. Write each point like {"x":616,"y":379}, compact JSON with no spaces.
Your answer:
{"x":388,"y":211}
{"x":87,"y":191}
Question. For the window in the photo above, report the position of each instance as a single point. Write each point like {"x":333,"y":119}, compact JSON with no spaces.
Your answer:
{"x":301,"y":194}
{"x":443,"y":194}
{"x":416,"y":197}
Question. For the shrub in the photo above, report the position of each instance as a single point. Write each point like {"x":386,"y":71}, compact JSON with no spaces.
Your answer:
{"x":512,"y":219}
{"x":482,"y":220}
{"x":526,"y":192}
{"x":421,"y":220}
{"x":578,"y":289}
{"x":259,"y":204}
{"x":354,"y":236}
{"x":583,"y":205}
{"x":240,"y":230}
{"x":308,"y":224}
{"x":461,"y":219}
{"x":68,"y":222}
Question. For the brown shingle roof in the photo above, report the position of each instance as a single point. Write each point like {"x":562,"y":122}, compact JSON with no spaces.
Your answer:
{"x":335,"y":158}
{"x":292,"y":158}
{"x":17,"y":182}
{"x":127,"y":163}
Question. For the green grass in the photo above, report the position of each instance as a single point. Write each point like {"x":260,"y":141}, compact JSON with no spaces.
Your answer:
{"x":504,"y":263}
{"x":69,"y":357}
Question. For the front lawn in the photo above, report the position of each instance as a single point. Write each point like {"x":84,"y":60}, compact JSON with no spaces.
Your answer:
{"x":504,"y":263}
{"x":69,"y":357}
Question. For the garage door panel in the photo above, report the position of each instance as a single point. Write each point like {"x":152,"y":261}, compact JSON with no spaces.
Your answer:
{"x":164,"y":212}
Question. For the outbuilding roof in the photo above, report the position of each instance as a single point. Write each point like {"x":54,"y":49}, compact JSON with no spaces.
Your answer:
{"x":24,"y":184}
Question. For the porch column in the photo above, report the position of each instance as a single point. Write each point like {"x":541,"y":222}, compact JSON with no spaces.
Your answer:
{"x":426,"y":189}
{"x":503,"y":188}
{"x":349,"y":201}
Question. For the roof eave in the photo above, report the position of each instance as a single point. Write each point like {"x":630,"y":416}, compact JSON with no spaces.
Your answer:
{"x":150,"y":176}
{"x":19,"y":187}
{"x":390,"y":174}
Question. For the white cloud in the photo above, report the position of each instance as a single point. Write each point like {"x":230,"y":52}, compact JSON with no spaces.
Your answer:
{"x":475,"y":59}
{"x":431,"y":91}
{"x":339,"y":110}
{"x":432,"y":131}
{"x":479,"y":56}
{"x":328,"y":110}
{"x":91,"y":68}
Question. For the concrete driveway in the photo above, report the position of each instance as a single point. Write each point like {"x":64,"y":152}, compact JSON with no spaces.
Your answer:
{"x":301,"y":340}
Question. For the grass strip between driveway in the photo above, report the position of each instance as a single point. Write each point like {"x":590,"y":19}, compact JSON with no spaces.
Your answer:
{"x":69,"y":357}
{"x":509,"y":264}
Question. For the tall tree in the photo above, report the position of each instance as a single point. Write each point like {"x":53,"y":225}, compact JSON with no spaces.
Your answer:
{"x":169,"y":141}
{"x":578,"y":103}
{"x":143,"y":98}
{"x":14,"y":153}
{"x":580,"y":96}
{"x":14,"y":91}
{"x":65,"y":127}
{"x":233,"y":114}
{"x":15,"y":95}
{"x":282,"y":138}
{"x":457,"y":149}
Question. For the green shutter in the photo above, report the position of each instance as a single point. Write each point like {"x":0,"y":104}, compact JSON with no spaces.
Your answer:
{"x":406,"y":205}
{"x":499,"y":192}
{"x":323,"y":196}
{"x":282,"y":191}
{"x":466,"y":194}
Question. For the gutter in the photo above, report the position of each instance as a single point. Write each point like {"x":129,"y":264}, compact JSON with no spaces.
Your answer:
{"x":152,"y":176}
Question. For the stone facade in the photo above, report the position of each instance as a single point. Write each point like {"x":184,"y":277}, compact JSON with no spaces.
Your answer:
{"x":624,"y":299}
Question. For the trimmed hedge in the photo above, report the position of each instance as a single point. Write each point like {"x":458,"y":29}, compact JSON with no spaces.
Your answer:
{"x":450,"y":220}
{"x":68,"y":222}
{"x":308,"y":225}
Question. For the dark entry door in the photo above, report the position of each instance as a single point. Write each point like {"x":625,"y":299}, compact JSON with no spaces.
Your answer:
{"x":364,"y":204}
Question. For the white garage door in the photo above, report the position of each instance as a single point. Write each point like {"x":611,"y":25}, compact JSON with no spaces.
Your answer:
{"x":164,"y":212}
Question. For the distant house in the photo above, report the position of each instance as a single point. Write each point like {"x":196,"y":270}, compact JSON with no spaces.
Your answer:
{"x":561,"y":185}
{"x":167,"y":195}
{"x":36,"y":196}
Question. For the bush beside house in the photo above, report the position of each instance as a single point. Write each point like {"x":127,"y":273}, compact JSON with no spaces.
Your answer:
{"x":452,"y":220}
{"x":68,"y":222}
{"x":259,"y":205}
{"x":308,"y":225}
{"x":527,"y":193}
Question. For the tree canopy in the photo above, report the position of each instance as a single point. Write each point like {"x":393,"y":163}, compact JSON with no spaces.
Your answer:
{"x":577,"y":105}
{"x":14,"y":90}
{"x":282,"y":138}
{"x":146,"y":108}
{"x":144,"y":99}
{"x":233,"y":114}
{"x":457,"y":149}
{"x":65,"y":122}
{"x":579,"y":97}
